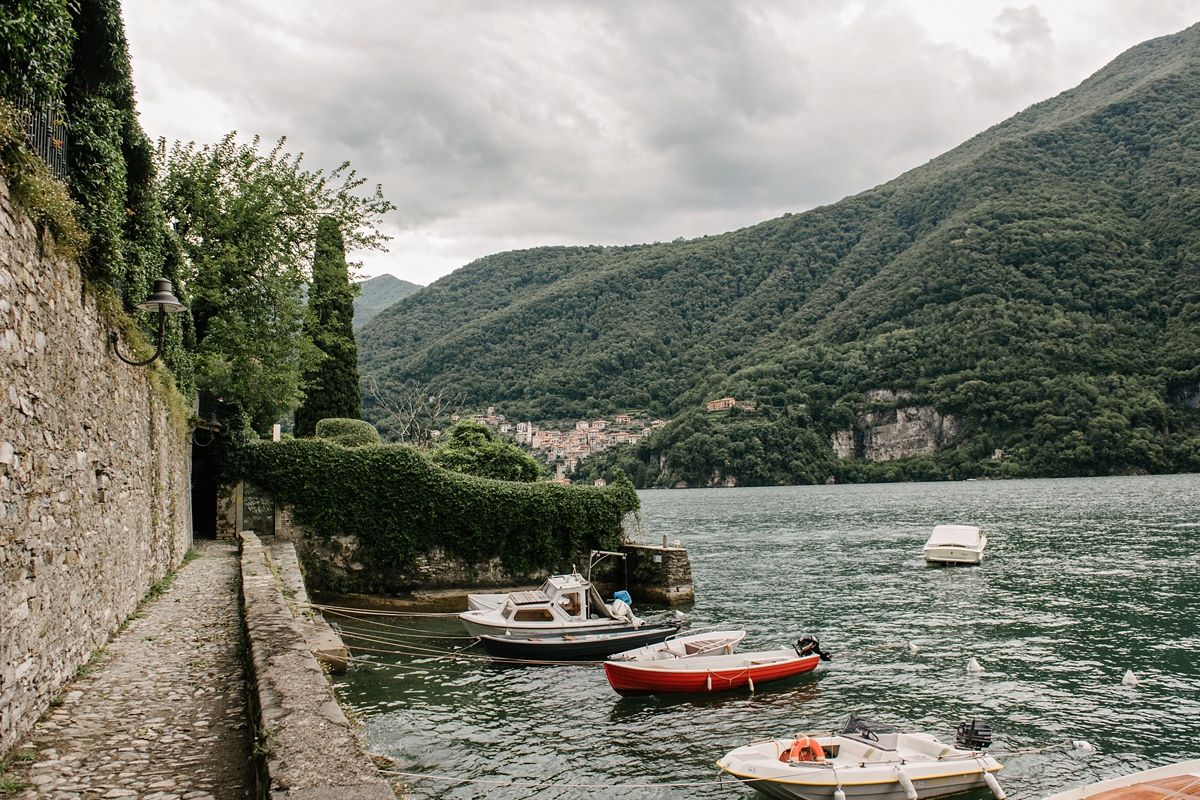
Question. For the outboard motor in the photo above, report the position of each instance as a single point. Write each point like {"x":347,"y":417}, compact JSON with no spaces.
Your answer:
{"x":808,"y":644}
{"x":974,"y":734}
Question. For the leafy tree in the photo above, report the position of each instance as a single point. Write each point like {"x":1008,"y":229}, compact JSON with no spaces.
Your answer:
{"x":473,"y":449}
{"x":35,"y":48}
{"x":331,"y":389}
{"x":247,"y":226}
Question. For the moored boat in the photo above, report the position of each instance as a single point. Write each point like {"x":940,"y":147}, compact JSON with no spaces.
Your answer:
{"x":1177,"y":781}
{"x":576,"y":646}
{"x":565,"y":604}
{"x":711,"y":673}
{"x":866,"y":760}
{"x":955,"y":544}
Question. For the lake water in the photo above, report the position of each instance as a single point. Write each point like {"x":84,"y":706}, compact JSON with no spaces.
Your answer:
{"x":1082,"y":580}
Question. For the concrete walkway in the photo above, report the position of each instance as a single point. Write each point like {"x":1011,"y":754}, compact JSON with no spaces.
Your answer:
{"x":162,"y":716}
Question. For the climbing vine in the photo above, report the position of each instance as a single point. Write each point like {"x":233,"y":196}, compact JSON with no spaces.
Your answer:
{"x":399,"y":504}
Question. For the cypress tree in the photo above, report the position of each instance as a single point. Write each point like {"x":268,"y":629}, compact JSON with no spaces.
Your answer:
{"x":332,"y":387}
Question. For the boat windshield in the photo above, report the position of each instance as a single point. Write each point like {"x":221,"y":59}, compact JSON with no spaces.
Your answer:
{"x":571,"y":603}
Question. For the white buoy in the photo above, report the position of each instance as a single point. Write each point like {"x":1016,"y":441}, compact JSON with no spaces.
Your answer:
{"x":973,"y":667}
{"x":839,"y":794}
{"x":1086,"y":747}
{"x":708,"y":683}
{"x":906,"y":784}
{"x":1130,"y":679}
{"x":912,"y":647}
{"x":994,"y":785}
{"x":751,"y":680}
{"x":680,"y":615}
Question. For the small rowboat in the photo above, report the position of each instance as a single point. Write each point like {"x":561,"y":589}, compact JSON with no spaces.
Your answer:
{"x":576,"y":646}
{"x":711,"y":673}
{"x":867,"y":761}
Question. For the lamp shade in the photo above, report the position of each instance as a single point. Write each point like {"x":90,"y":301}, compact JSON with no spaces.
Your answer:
{"x":162,"y":299}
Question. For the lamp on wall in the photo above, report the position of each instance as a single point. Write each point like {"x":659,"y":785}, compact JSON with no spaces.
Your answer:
{"x":165,"y":303}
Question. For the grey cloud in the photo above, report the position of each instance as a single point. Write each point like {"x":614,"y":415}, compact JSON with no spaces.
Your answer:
{"x":1023,"y":27}
{"x":602,"y":121}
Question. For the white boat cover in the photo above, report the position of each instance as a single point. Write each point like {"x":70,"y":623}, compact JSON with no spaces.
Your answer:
{"x":960,"y":535}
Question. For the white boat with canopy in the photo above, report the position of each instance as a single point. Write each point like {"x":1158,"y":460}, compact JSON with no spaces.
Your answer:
{"x":955,"y":544}
{"x":565,"y":604}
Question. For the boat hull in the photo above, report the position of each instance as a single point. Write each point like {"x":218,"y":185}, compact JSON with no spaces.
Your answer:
{"x":574,"y":647}
{"x":476,"y":628}
{"x":632,"y":679}
{"x":934,"y":787}
{"x":953,"y":555}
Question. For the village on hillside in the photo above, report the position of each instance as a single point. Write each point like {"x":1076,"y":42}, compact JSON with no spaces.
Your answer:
{"x":564,"y":449}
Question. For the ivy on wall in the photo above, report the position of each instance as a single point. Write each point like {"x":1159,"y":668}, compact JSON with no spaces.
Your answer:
{"x":400,"y":505}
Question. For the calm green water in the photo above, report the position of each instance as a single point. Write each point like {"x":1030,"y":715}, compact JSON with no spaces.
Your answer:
{"x":1083,"y":579}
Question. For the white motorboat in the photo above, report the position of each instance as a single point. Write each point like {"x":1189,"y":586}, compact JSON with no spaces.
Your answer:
{"x":867,"y":760}
{"x":706,"y":643}
{"x":955,"y":544}
{"x":565,"y":604}
{"x":1181,"y":781}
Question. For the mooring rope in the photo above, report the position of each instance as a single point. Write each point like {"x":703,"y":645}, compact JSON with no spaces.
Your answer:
{"x":381,"y":613}
{"x":1070,"y":744}
{"x":416,"y":633}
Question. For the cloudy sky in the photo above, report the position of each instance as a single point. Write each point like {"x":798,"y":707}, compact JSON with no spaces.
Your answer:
{"x":502,"y":125}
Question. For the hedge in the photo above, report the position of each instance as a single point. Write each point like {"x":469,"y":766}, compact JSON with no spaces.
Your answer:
{"x":400,"y":505}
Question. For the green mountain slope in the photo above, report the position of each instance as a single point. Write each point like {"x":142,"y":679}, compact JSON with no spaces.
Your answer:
{"x":1039,"y":282}
{"x":378,"y":293}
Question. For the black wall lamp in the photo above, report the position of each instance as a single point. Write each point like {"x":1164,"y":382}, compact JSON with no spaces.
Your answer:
{"x":165,"y":303}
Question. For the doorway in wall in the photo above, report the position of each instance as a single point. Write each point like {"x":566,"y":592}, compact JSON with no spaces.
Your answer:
{"x":204,"y":487}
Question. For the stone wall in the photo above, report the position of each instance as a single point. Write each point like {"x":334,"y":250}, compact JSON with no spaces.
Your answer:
{"x":884,"y":435}
{"x":306,"y":749}
{"x":439,"y":580}
{"x":94,"y":478}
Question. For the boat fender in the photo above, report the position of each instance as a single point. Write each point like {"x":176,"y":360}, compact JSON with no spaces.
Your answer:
{"x":839,"y":794}
{"x":994,"y":785}
{"x":708,"y":683}
{"x":804,"y":748}
{"x":906,"y":784}
{"x":751,"y":682}
{"x":808,"y":645}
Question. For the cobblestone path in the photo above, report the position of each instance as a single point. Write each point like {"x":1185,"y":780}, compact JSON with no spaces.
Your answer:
{"x":162,"y":716}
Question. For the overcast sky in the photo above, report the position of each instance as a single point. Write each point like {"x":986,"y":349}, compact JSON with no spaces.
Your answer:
{"x":501,"y":125}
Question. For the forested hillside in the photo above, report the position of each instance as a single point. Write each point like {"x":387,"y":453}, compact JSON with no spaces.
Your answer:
{"x":1039,"y":282}
{"x":378,"y":293}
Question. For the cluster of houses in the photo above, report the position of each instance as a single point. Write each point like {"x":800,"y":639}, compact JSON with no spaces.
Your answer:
{"x":563,"y":449}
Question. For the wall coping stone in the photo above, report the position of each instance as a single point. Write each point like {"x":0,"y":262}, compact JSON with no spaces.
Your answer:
{"x":308,"y":747}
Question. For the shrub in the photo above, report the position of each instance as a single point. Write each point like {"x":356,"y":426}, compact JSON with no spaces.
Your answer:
{"x":347,"y":432}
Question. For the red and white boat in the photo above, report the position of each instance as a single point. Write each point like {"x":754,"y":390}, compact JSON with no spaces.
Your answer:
{"x":712,"y":673}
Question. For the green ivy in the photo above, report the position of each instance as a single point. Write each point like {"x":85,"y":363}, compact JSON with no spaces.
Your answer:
{"x":400,"y":505}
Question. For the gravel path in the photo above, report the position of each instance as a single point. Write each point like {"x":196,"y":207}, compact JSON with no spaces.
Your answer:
{"x":162,"y":716}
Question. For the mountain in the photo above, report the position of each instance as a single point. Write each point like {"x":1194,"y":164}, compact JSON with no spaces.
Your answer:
{"x":1038,"y":283}
{"x":379,"y":293}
